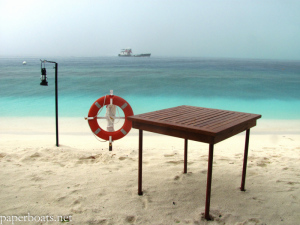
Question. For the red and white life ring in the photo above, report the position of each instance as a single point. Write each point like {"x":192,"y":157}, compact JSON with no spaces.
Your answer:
{"x":97,"y":105}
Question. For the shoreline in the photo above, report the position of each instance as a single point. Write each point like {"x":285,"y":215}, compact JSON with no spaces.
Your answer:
{"x":67,"y":124}
{"x":75,"y":131}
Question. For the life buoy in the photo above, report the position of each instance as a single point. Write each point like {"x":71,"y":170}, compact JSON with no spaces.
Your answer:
{"x":106,"y":100}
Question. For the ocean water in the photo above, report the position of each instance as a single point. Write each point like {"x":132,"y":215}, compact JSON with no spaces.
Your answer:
{"x":270,"y":88}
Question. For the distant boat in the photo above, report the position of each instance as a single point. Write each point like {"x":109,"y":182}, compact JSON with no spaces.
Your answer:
{"x":24,"y":62}
{"x":127,"y":52}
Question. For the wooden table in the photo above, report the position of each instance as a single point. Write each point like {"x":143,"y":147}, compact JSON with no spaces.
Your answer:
{"x":199,"y":124}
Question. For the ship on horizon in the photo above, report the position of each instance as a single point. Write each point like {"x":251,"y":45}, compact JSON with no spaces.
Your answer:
{"x":127,"y":52}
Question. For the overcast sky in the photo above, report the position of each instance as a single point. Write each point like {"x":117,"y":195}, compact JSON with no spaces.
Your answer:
{"x":268,"y":29}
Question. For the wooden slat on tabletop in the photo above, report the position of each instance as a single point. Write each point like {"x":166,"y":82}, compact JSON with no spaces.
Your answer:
{"x":216,"y":119}
{"x":177,"y":114}
{"x":230,"y":123}
{"x":194,"y":113}
{"x":186,"y":116}
{"x":209,"y":118}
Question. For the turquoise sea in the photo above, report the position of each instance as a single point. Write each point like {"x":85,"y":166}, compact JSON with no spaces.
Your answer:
{"x":270,"y":88}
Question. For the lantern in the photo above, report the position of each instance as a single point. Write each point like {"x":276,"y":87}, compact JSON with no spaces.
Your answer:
{"x":44,"y":81}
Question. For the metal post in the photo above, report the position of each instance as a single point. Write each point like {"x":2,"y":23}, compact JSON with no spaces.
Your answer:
{"x":140,"y":192}
{"x":209,"y":178}
{"x":110,"y":143}
{"x":110,"y":137}
{"x":56,"y":105}
{"x":56,"y":96}
{"x":245,"y":160}
{"x":185,"y":155}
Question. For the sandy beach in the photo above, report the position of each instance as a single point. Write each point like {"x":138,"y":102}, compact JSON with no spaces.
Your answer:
{"x":84,"y":183}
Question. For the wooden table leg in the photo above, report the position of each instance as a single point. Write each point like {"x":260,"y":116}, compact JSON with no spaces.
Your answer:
{"x":245,"y":160}
{"x":209,"y":178}
{"x":185,"y":155}
{"x":140,"y":192}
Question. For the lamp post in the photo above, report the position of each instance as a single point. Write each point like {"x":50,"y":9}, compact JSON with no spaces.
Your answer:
{"x":44,"y":82}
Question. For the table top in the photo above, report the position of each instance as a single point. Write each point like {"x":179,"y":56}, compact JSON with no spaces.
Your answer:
{"x":195,"y":123}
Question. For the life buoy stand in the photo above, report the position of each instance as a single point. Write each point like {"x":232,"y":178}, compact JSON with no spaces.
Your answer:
{"x":101,"y":102}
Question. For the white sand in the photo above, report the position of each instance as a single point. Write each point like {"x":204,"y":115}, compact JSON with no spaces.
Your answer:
{"x":83,"y":179}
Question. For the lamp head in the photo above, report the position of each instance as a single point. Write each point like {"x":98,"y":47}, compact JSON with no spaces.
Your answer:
{"x":44,"y":81}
